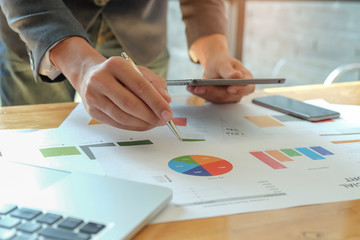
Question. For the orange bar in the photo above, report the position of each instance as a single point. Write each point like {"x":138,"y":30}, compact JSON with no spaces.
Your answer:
{"x":346,"y":141}
{"x":279,"y":156}
{"x":93,"y":122}
{"x":264,"y":121}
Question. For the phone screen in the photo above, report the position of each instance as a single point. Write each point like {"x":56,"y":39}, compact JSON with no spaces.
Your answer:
{"x":296,"y":108}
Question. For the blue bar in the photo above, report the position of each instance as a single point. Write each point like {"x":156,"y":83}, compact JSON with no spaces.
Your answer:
{"x":321,"y":150}
{"x":310,"y":154}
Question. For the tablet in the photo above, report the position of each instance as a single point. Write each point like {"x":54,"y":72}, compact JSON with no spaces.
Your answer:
{"x":226,"y":82}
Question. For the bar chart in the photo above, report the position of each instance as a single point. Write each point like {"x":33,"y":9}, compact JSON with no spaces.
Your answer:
{"x":277,"y":157}
{"x":73,"y":150}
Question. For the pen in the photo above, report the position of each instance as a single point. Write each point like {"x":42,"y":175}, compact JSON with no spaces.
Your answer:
{"x":170,"y":123}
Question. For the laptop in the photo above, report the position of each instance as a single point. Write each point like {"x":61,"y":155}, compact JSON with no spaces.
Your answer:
{"x":37,"y":201}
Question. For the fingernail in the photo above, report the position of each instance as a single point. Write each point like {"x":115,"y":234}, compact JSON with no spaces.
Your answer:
{"x":166,"y":115}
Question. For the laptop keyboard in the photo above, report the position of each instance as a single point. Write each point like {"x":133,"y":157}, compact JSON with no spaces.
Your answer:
{"x":32,"y":224}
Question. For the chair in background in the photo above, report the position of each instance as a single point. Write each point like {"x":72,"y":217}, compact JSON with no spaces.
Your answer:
{"x":338,"y":72}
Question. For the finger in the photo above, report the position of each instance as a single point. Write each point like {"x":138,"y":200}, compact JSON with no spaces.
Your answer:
{"x":105,"y":111}
{"x":197,"y":90}
{"x":228,"y":70}
{"x":210,"y":93}
{"x":246,"y":74}
{"x":242,"y":90}
{"x":142,"y":89}
{"x":158,"y":82}
{"x":220,"y":94}
{"x":126,"y":120}
{"x":104,"y":118}
{"x":103,"y":83}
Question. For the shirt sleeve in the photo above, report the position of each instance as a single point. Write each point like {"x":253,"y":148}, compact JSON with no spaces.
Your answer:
{"x":203,"y":18}
{"x":40,"y":24}
{"x":47,"y":68}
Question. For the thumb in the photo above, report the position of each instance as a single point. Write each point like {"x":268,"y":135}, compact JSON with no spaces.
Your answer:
{"x":228,"y":71}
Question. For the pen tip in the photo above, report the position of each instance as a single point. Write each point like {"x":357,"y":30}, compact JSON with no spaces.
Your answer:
{"x":173,"y":128}
{"x":124,"y":55}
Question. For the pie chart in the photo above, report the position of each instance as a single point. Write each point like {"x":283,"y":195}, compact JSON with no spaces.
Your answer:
{"x":200,"y":165}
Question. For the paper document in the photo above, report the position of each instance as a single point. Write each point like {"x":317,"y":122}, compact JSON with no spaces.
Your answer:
{"x":238,"y":158}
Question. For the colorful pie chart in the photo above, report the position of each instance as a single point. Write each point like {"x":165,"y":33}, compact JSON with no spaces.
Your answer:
{"x":200,"y":165}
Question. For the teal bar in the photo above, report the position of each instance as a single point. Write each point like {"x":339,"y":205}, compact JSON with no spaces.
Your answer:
{"x":311,"y":154}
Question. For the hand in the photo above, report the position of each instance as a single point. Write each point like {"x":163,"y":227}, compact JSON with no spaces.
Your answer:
{"x":224,"y":67}
{"x":112,"y":91}
{"x":214,"y":57}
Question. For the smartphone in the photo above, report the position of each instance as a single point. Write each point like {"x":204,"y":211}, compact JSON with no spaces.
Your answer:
{"x":223,"y":82}
{"x":296,"y":108}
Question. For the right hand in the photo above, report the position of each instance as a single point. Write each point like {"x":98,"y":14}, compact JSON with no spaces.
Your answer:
{"x":111,"y":90}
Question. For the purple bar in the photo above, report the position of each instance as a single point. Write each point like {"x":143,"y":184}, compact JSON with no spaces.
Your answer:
{"x":321,"y":150}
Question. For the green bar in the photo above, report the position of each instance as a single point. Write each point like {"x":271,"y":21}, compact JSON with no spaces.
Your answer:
{"x":290,"y":152}
{"x":59,"y":151}
{"x":192,"y":140}
{"x":134,"y":143}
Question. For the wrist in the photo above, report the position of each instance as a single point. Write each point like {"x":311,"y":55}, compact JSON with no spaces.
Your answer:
{"x":73,"y":56}
{"x":208,"y":47}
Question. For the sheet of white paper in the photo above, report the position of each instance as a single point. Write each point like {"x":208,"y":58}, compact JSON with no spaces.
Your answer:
{"x":351,"y":113}
{"x":347,"y":134}
{"x":51,"y":148}
{"x":247,"y":159}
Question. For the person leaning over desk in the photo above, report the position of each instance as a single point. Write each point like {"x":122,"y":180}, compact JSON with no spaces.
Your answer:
{"x":82,"y":41}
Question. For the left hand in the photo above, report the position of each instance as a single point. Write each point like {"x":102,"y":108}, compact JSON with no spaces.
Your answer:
{"x":224,"y":67}
{"x":217,"y":63}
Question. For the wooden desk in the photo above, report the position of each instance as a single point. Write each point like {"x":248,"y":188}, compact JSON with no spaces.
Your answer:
{"x":333,"y":221}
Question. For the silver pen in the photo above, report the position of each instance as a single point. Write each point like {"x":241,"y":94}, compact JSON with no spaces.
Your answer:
{"x":170,"y":123}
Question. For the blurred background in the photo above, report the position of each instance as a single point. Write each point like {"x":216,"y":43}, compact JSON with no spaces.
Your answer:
{"x":302,"y":41}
